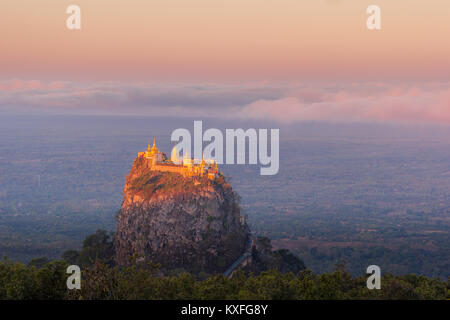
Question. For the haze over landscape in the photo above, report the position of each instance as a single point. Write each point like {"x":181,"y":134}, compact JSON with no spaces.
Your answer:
{"x":359,"y":193}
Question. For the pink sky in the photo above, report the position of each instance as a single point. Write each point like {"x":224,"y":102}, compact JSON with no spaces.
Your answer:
{"x":287,"y":60}
{"x":225,"y":40}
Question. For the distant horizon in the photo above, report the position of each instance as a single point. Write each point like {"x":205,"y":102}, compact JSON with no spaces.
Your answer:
{"x":281,"y":102}
{"x":163,"y":125}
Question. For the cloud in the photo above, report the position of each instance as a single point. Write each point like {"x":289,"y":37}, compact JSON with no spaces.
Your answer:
{"x":285,"y":103}
{"x":377,"y":103}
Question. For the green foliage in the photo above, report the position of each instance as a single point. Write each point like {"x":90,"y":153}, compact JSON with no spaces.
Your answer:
{"x":18,"y":281}
{"x":264,"y":258}
{"x":143,"y":281}
{"x":96,"y":247}
{"x":39,"y":262}
{"x":71,"y":256}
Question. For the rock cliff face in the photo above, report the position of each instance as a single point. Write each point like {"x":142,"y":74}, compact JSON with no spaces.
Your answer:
{"x":178,"y":222}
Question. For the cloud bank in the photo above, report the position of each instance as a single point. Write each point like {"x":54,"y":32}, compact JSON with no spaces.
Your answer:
{"x":282,"y":102}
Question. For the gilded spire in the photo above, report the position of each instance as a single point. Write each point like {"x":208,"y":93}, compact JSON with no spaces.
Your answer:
{"x":154,"y":149}
{"x":174,"y":157}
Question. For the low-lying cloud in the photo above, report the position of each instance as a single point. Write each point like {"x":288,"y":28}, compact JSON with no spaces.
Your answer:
{"x":382,"y":103}
{"x":285,"y":103}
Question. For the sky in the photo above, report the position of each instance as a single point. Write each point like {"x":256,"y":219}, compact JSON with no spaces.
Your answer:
{"x":284,"y":59}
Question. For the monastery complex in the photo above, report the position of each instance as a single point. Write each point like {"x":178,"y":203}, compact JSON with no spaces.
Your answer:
{"x":188,"y":167}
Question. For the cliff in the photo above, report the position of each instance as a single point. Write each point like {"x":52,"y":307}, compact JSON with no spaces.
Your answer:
{"x":191,"y":223}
